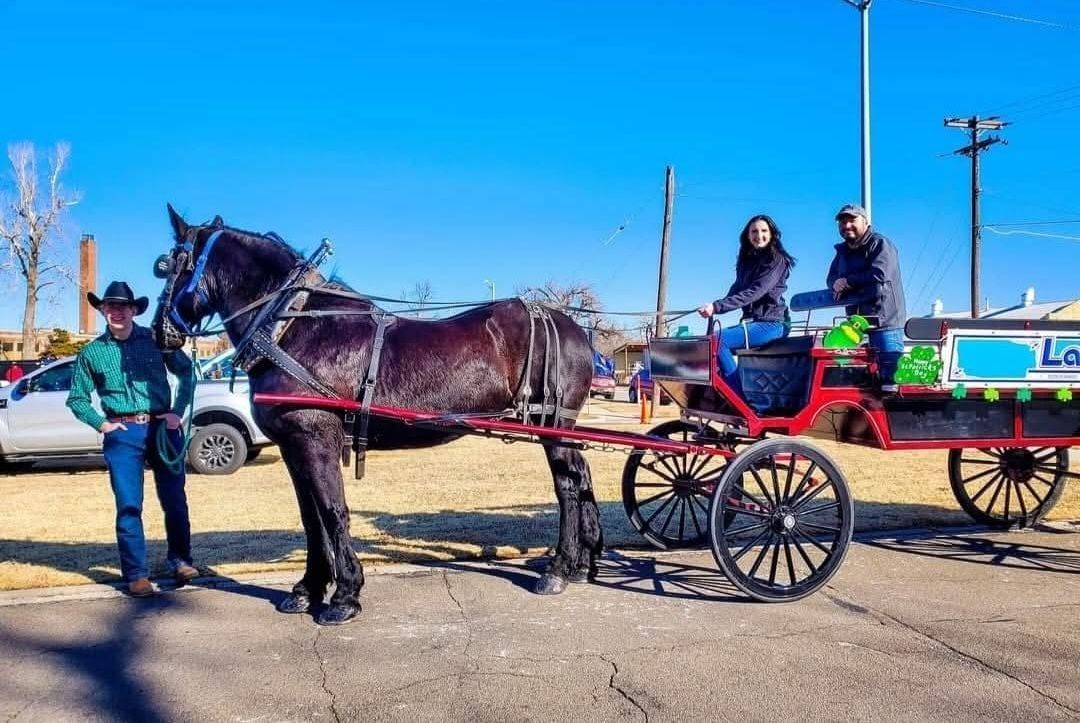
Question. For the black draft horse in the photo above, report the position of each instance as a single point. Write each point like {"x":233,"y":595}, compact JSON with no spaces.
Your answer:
{"x":473,"y":362}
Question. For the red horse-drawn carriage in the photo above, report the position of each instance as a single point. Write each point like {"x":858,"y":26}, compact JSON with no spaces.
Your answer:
{"x":776,"y":510}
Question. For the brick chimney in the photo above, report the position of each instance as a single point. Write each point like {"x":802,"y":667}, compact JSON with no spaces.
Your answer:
{"x":87,"y":282}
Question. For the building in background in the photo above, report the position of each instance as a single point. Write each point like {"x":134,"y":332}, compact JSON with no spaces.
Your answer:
{"x":1027,"y":309}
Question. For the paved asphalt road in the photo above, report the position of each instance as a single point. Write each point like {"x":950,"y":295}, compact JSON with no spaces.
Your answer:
{"x":957,"y":626}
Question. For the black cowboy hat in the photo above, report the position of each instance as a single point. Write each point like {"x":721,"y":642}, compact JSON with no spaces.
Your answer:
{"x":120,"y":292}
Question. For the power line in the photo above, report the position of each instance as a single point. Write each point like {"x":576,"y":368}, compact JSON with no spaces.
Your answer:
{"x":1031,"y":223}
{"x":946,"y":269}
{"x":995,"y":14}
{"x":991,"y":229}
{"x":1049,"y":97}
{"x":1054,"y":111}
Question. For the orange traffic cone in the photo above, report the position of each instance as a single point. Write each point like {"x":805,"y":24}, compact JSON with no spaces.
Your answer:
{"x":644,"y":406}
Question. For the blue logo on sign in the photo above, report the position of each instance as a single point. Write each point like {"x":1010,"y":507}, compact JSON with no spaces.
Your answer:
{"x":1058,"y":353}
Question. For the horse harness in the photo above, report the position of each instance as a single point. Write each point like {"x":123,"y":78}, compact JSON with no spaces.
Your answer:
{"x":259,"y":343}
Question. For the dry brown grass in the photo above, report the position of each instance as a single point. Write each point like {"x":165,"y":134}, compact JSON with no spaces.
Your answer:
{"x":472,"y":498}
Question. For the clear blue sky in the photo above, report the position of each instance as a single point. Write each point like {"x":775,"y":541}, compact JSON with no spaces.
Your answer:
{"x":458,"y":142}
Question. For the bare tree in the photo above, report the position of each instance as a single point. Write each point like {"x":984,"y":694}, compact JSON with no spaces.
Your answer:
{"x":422,"y":292}
{"x":30,"y":228}
{"x":580,"y":302}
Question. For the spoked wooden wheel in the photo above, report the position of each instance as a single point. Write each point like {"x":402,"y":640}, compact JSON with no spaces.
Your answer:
{"x":780,"y":520}
{"x":1008,"y":486}
{"x":666,"y":495}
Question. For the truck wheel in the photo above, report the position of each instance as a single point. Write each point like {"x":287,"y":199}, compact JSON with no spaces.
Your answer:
{"x":217,"y":449}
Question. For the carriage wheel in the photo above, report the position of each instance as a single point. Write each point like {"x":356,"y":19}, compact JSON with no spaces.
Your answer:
{"x":666,"y":495}
{"x":1008,"y":486}
{"x":780,"y":520}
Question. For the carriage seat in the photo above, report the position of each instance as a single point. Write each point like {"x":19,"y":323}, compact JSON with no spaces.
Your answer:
{"x":781,"y":347}
{"x":775,"y":378}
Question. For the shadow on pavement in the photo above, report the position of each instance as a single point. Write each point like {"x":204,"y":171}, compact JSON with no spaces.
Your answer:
{"x":103,"y":672}
{"x":982,"y":550}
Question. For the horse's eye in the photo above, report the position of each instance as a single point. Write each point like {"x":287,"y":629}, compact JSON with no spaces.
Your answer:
{"x":163,"y":266}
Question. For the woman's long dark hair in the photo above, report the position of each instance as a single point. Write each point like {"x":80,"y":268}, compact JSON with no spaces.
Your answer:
{"x":776,"y":246}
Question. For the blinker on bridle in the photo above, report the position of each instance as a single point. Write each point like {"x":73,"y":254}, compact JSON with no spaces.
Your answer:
{"x":171,"y":265}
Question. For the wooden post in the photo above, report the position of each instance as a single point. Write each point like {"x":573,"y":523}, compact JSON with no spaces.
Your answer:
{"x":661,"y":290}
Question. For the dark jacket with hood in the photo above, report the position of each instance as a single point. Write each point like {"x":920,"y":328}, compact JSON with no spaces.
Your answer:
{"x":760,"y":283}
{"x":872,"y":269}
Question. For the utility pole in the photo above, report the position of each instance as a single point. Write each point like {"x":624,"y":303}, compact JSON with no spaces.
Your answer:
{"x":661,"y":289}
{"x":863,"y":6}
{"x":976,"y":125}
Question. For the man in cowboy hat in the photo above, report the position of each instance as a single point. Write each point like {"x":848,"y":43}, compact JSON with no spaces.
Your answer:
{"x":128,"y":372}
{"x":865,"y":273}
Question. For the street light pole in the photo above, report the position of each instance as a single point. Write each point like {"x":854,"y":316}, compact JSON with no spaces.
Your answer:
{"x":863,"y":6}
{"x":490,"y":285}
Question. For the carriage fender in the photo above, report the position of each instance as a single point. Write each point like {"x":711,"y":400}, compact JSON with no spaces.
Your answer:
{"x":846,"y":421}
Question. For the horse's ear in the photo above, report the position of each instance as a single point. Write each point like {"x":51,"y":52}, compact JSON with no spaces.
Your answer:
{"x":180,"y":227}
{"x":218,"y":222}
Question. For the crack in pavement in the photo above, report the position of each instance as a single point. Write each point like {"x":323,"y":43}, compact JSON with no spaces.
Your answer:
{"x":465,"y":620}
{"x":620,"y":691}
{"x":885,"y":618}
{"x":322,"y":672}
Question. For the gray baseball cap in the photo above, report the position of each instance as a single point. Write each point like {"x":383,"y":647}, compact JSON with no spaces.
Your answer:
{"x":851,"y":209}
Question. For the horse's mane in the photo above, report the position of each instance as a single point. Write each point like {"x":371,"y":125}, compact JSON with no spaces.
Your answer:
{"x":333,"y":281}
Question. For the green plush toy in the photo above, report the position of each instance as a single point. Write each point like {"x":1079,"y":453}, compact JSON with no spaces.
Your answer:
{"x":1064,"y":395}
{"x":959,"y":392}
{"x":991,"y":395}
{"x":847,"y":334}
{"x":919,"y":366}
{"x":1023,"y":395}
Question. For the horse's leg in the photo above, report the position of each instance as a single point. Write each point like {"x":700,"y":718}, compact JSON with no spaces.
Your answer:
{"x":580,"y":537}
{"x":591,"y":533}
{"x":317,"y":572}
{"x":323,"y":475}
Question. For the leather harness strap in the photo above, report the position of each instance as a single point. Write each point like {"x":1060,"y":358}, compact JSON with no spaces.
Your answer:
{"x":367,"y":395}
{"x":551,"y":402}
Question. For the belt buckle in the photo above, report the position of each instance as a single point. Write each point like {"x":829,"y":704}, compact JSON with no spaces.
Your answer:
{"x":142,"y":418}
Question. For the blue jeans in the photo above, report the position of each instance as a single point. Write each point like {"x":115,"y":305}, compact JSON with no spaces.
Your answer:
{"x":751,"y":334}
{"x":126,"y":452}
{"x":889,"y":344}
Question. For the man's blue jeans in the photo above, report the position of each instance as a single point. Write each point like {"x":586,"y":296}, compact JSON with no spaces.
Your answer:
{"x":752,"y":334}
{"x":126,"y":452}
{"x":889,"y":344}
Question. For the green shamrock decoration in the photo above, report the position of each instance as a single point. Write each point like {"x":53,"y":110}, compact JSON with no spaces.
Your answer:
{"x":847,"y":334}
{"x":991,"y":395}
{"x":959,"y":392}
{"x":919,"y":366}
{"x":1064,"y":395}
{"x":1023,"y":395}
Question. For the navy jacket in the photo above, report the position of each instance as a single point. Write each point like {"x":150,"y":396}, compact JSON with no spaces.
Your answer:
{"x":873,"y":271}
{"x":760,"y":283}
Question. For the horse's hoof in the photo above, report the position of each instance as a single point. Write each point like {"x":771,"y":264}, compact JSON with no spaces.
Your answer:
{"x":579,"y":575}
{"x":338,"y":614}
{"x":293,"y":603}
{"x":550,"y":584}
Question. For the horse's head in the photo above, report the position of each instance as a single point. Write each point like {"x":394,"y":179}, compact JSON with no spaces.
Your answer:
{"x":184,"y":302}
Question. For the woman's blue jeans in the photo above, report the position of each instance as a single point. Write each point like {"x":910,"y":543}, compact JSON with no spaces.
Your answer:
{"x":126,"y":453}
{"x":752,"y":334}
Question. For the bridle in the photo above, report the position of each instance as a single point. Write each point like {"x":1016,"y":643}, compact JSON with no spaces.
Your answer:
{"x":170,"y":267}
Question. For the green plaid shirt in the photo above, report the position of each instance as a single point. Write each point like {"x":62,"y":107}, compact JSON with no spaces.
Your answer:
{"x":129,"y":377}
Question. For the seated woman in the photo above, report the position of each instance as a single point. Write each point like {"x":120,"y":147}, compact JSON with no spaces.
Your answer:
{"x":761,"y":272}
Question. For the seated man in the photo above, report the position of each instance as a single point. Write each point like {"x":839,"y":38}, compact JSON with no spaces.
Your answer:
{"x":865,"y":274}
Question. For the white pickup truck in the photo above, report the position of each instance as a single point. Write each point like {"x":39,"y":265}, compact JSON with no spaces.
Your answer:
{"x":36,"y":425}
